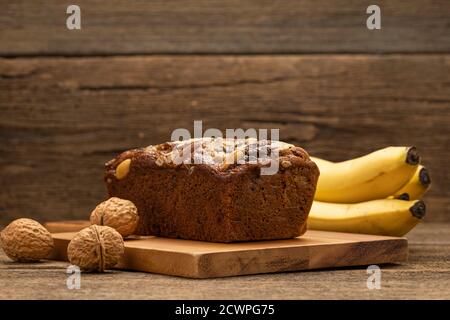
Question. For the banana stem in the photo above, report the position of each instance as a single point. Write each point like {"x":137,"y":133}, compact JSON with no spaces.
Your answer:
{"x":424,"y":177}
{"x":403,"y":196}
{"x":412,"y":156}
{"x":418,"y":210}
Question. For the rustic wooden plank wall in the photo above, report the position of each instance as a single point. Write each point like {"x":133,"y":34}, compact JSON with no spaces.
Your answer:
{"x":223,"y":26}
{"x":71,"y":100}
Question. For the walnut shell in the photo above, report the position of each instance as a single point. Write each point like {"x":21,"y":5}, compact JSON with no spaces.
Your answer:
{"x":96,"y":248}
{"x":26,"y":240}
{"x":116,"y":213}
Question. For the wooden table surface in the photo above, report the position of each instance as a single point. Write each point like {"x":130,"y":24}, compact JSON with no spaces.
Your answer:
{"x":425,"y":276}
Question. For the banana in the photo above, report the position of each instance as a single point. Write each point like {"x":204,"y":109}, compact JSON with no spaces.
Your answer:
{"x":390,"y":217}
{"x":416,"y":187}
{"x":374,"y":176}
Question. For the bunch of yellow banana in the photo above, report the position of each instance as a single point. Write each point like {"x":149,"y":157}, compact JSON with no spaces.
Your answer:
{"x":375,"y":194}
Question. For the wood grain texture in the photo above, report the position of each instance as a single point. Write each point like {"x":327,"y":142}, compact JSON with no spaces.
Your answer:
{"x":215,"y":26}
{"x":66,"y":226}
{"x":425,"y":276}
{"x":198,"y":259}
{"x":63,"y":118}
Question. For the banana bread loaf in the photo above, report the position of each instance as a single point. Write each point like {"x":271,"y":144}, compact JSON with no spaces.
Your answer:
{"x":219,"y":199}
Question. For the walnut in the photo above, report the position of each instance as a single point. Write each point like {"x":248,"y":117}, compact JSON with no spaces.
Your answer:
{"x":26,"y":240}
{"x":96,"y":248}
{"x":116,"y":213}
{"x":286,"y":163}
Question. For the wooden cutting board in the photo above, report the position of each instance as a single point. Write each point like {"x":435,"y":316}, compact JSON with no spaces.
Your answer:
{"x":197,"y":259}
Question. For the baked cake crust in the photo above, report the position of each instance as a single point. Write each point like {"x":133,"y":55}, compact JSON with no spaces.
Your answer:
{"x":218,"y":200}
